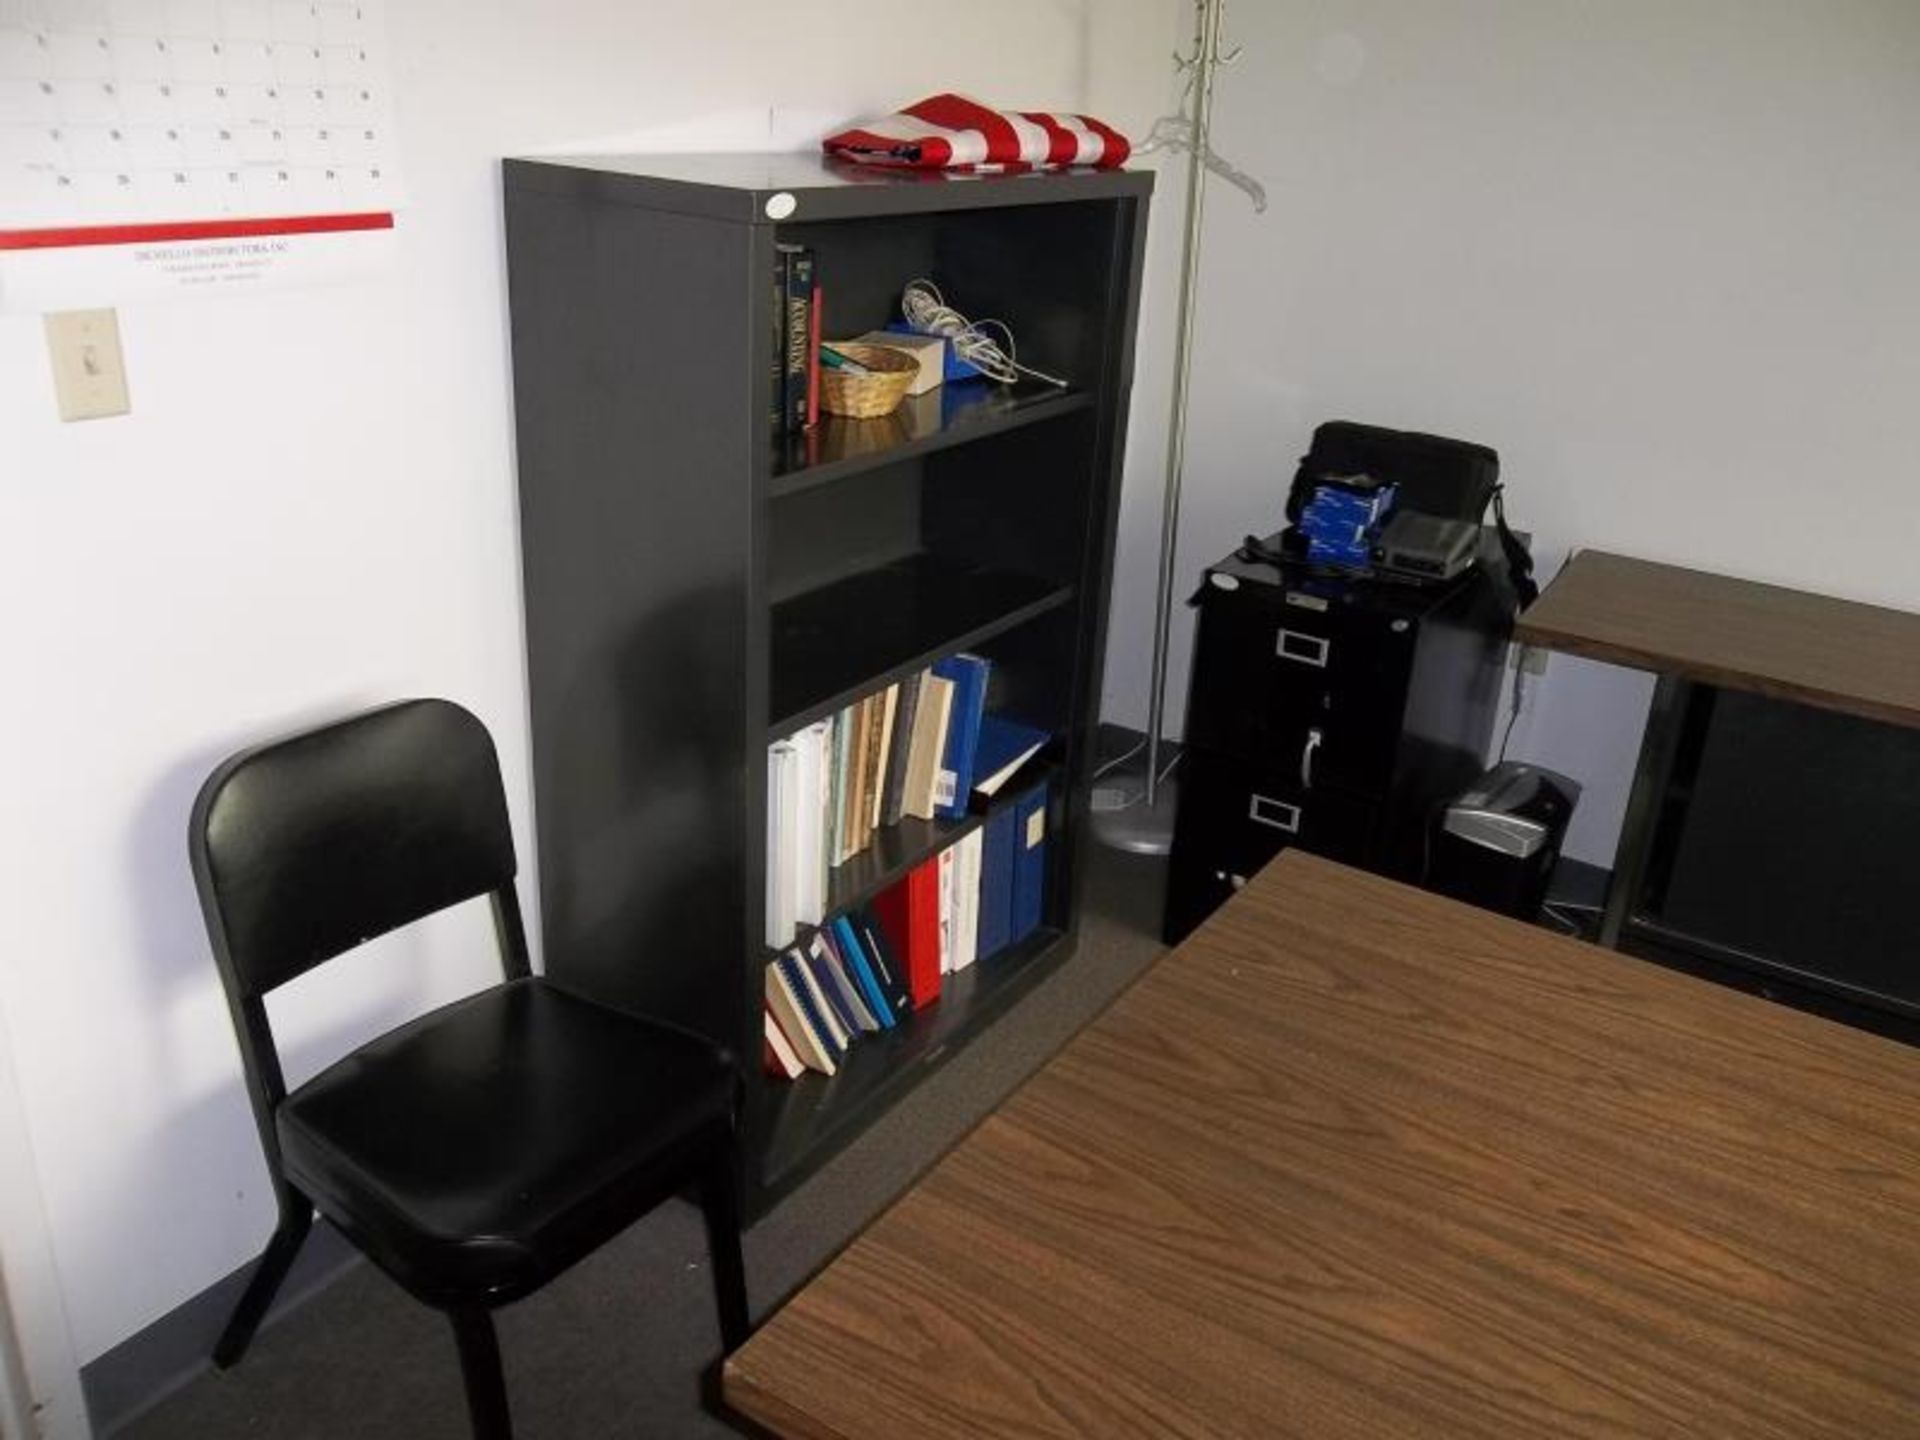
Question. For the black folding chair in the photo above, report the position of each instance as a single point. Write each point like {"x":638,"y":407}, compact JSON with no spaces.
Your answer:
{"x":479,"y":1150}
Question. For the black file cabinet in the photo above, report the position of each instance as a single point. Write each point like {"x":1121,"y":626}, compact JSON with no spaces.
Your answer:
{"x":1330,"y":713}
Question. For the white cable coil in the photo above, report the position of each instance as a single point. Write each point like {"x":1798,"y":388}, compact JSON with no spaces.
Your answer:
{"x":977,"y":342}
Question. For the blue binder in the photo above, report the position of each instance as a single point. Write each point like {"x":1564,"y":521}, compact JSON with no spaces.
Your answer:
{"x":889,"y":967}
{"x":823,"y":977}
{"x":969,"y":676}
{"x":1002,"y":743}
{"x":863,"y":975}
{"x":1029,"y":861}
{"x":996,"y":881}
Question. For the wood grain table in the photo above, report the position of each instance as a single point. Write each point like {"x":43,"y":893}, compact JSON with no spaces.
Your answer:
{"x":1699,"y":631}
{"x":1357,"y":1161}
{"x":1735,"y":634}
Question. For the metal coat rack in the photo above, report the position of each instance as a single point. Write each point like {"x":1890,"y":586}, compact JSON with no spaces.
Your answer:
{"x":1136,"y":813}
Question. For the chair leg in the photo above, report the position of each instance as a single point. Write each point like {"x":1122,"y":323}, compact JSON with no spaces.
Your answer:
{"x":480,"y":1368}
{"x":296,"y":1219}
{"x":720,"y":1205}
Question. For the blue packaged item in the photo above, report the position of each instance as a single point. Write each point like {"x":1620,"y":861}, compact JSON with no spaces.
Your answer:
{"x":1341,"y":519}
{"x":955,"y":368}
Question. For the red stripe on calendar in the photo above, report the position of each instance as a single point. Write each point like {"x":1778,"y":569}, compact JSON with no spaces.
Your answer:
{"x":76,"y":235}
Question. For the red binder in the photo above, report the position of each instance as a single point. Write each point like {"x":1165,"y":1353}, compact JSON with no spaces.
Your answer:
{"x":909,"y":913}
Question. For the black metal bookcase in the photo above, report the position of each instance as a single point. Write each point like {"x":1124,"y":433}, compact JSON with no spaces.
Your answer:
{"x":697,"y":586}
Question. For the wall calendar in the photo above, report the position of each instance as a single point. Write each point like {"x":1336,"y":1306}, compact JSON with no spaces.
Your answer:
{"x":174,"y":143}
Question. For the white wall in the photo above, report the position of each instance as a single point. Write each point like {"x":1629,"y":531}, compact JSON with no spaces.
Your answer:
{"x":311,"y":508}
{"x":39,"y":1382}
{"x":1660,"y":253}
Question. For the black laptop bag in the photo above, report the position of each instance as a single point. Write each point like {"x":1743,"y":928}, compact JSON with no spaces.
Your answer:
{"x":1455,"y":479}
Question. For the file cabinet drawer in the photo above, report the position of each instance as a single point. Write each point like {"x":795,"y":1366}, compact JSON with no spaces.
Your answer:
{"x":1233,"y":820}
{"x":1314,"y":694}
{"x":1239,"y":818}
{"x":1195,"y":889}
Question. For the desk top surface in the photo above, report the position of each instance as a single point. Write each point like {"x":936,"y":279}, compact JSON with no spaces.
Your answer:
{"x":1357,"y":1161}
{"x":1813,"y":649}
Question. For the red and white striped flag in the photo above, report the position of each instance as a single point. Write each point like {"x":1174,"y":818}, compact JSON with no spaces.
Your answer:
{"x":951,"y":132}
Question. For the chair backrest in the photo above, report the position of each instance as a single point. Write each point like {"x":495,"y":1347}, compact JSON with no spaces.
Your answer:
{"x":306,"y":847}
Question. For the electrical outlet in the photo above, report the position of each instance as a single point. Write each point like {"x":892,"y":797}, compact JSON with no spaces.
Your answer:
{"x":89,"y":376}
{"x":1530,"y":658}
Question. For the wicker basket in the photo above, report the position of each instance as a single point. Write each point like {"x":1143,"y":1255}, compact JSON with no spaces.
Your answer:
{"x":864,"y":397}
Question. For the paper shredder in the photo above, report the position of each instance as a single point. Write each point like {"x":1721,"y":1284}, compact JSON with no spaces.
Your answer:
{"x":1496,"y":843}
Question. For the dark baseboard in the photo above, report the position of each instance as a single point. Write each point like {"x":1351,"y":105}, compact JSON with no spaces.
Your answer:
{"x":146,"y":1367}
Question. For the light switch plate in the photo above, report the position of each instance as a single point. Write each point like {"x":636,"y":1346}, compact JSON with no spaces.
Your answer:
{"x":89,"y":376}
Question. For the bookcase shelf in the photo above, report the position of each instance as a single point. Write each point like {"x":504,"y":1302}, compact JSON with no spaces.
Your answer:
{"x":899,"y":847}
{"x":895,"y":850}
{"x":697,"y":585}
{"x":947,"y":415}
{"x":832,"y":645}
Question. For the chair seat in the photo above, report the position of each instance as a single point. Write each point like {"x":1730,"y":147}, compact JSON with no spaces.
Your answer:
{"x":486,"y":1146}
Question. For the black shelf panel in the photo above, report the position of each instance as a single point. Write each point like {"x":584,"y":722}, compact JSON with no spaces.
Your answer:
{"x":738,"y":187}
{"x":895,"y":850}
{"x":798,"y":1125}
{"x":946,"y":416}
{"x":832,"y":645}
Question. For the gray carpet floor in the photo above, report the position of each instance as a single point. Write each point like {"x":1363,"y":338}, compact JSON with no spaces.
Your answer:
{"x":618,"y":1346}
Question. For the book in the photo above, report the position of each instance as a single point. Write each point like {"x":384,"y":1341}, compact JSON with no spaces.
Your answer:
{"x":969,"y":676}
{"x":814,"y":322}
{"x":779,"y":1053}
{"x":861,"y":758}
{"x":1029,"y":862}
{"x":777,"y":351}
{"x":894,"y":791}
{"x":888,"y":968}
{"x":783,"y":799}
{"x":807,"y":985}
{"x":863,"y":973}
{"x":966,"y":900}
{"x":807,"y":1036}
{"x":870,"y":763}
{"x":806,"y":843}
{"x":1003,"y":747}
{"x":996,"y":882}
{"x":876,"y":795}
{"x":821,"y":949}
{"x":820,"y":816}
{"x":945,"y":863}
{"x":909,"y":915}
{"x":929,"y":742}
{"x":851,"y":800}
{"x":870,"y":766}
{"x":837,"y":803}
{"x":840,"y":1027}
{"x":797,"y":327}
